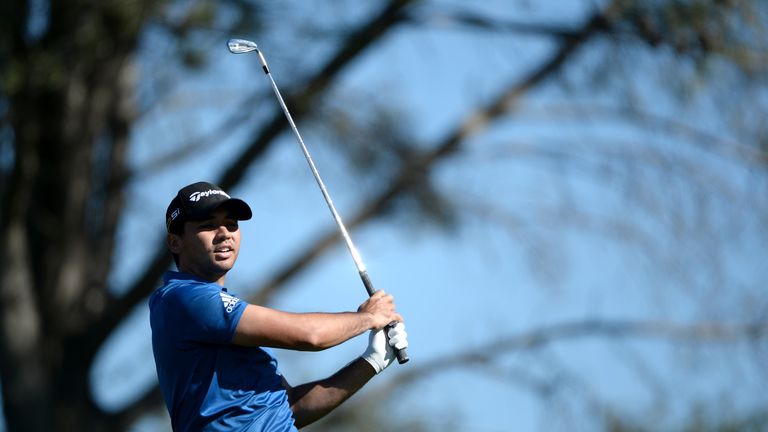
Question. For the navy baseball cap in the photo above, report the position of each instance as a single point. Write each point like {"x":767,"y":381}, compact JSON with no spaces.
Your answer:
{"x":198,"y":201}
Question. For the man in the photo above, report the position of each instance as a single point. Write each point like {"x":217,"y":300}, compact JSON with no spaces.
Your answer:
{"x":211,"y":348}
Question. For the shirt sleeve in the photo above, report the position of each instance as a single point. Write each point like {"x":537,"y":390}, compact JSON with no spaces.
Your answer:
{"x":208,"y":314}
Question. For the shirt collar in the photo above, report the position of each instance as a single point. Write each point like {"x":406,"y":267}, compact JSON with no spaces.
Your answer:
{"x":175,"y":275}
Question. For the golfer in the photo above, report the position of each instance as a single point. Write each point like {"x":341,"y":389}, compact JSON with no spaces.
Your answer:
{"x":212,"y":348}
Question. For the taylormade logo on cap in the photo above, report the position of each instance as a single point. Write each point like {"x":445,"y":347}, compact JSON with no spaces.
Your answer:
{"x":198,"y":201}
{"x":197,"y":195}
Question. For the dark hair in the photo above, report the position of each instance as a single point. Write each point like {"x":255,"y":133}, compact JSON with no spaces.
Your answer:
{"x":178,"y":229}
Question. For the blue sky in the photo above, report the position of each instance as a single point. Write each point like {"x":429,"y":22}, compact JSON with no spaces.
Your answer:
{"x":464,"y":288}
{"x":516,"y":262}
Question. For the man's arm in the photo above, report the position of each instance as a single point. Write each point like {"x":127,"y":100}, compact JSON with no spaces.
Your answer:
{"x":311,"y":401}
{"x":261,"y":326}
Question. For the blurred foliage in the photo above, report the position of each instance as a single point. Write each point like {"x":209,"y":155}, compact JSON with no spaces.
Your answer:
{"x":378,"y":143}
{"x":699,"y":419}
{"x":67,"y":95}
{"x":735,"y":30}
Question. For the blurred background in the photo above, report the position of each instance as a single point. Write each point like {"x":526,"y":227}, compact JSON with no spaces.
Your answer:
{"x":568,"y":199}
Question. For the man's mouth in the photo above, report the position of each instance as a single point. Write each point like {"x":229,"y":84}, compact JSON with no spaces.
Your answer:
{"x":223,"y":249}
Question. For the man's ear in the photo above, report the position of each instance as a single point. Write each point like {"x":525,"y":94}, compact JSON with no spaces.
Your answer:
{"x":174,"y":243}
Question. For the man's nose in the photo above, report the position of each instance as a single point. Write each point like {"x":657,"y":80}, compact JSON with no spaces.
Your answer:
{"x":222,"y":231}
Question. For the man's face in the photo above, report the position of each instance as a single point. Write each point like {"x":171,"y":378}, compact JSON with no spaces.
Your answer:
{"x":208,"y":248}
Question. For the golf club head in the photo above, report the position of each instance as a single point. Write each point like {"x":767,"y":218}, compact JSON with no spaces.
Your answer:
{"x":241,"y":46}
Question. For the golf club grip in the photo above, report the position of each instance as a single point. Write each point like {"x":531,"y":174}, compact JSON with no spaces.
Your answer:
{"x":402,"y":355}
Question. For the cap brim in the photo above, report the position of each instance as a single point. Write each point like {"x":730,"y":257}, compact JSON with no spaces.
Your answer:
{"x":237,"y":208}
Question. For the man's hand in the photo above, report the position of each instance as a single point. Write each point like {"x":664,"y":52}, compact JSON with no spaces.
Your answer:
{"x":380,"y":353}
{"x":381,"y":308}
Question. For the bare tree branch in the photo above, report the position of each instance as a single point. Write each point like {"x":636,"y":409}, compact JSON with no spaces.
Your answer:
{"x":449,"y":145}
{"x":300,"y":101}
{"x":489,"y":352}
{"x":366,"y":34}
{"x":196,"y":143}
{"x":422,"y":163}
{"x":747,"y":153}
{"x":469,"y":19}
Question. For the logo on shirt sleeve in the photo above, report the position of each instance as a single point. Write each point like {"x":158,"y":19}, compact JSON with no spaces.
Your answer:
{"x":229,"y":301}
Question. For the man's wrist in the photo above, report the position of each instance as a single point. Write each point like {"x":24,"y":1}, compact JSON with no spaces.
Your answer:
{"x":367,"y":320}
{"x":371,"y":364}
{"x":376,"y":352}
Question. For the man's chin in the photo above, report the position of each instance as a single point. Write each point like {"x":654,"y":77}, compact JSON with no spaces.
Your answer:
{"x":225,"y":264}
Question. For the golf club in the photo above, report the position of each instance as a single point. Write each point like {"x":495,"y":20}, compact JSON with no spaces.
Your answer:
{"x":242,"y":46}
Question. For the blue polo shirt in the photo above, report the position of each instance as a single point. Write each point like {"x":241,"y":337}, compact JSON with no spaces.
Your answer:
{"x":208,"y":383}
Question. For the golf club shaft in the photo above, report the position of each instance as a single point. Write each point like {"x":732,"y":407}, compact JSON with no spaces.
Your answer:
{"x":402,"y":356}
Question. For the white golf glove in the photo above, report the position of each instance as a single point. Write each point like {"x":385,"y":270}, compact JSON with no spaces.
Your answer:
{"x":380,"y":353}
